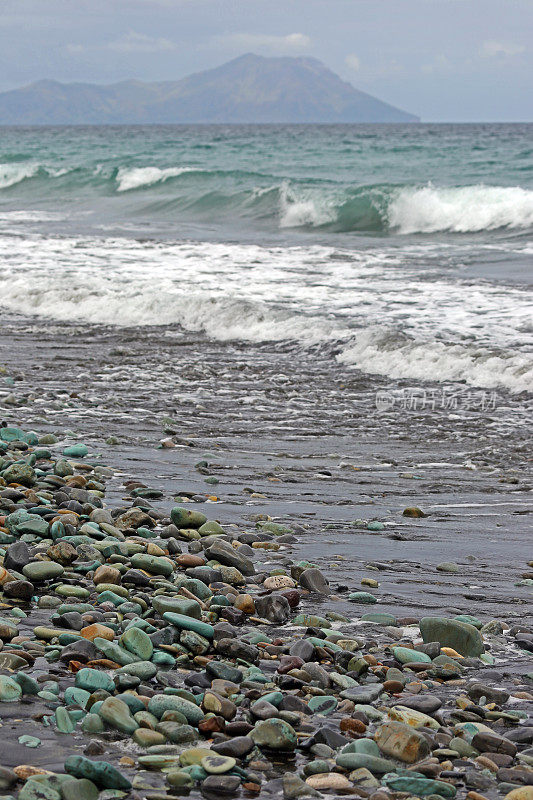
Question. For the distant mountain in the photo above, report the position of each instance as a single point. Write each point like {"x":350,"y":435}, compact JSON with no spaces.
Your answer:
{"x":248,"y":89}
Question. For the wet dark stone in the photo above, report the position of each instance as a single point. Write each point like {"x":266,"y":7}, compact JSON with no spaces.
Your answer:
{"x":303,"y":649}
{"x":292,"y":703}
{"x":492,"y":743}
{"x":216,"y":785}
{"x":426,"y":703}
{"x":327,"y":736}
{"x":17,"y":556}
{"x":521,"y":735}
{"x":233,"y":615}
{"x":314,"y":581}
{"x":274,"y":608}
{"x":238,"y":728}
{"x":478,"y":690}
{"x":237,"y":747}
{"x":136,"y":577}
{"x":20,"y":590}
{"x":233,"y":648}
{"x":516,"y":775}
{"x":82,"y":650}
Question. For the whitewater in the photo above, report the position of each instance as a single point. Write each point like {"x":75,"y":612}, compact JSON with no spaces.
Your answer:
{"x":401,"y":251}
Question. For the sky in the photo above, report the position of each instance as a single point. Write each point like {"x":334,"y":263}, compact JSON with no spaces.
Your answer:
{"x":444,"y":60}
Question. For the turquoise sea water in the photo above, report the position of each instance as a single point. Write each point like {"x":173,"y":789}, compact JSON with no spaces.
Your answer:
{"x":409,"y":248}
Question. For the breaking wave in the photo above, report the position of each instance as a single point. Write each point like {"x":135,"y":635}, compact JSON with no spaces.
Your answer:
{"x":308,"y":205}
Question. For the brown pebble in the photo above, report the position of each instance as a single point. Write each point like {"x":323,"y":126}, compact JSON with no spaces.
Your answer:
{"x":353,"y":726}
{"x":187,"y":560}
{"x":25,"y":771}
{"x":393,"y":687}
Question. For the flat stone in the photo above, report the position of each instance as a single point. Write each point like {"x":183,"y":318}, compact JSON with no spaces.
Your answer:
{"x":419,"y":786}
{"x":117,"y":714}
{"x":37,"y":571}
{"x":93,"y":679}
{"x":159,"y":703}
{"x":363,"y":694}
{"x":464,"y":638}
{"x":405,"y":656}
{"x":220,"y":784}
{"x":412,"y":717}
{"x":137,"y":642}
{"x":275,"y":734}
{"x":177,"y":605}
{"x":331,"y":781}
{"x":10,"y":690}
{"x":401,"y":741}
{"x":217,"y":764}
{"x":375,"y":764}
{"x":189,"y":624}
{"x":103,"y":774}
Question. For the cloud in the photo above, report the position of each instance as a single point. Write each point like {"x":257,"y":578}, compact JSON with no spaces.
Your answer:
{"x":492,"y":49}
{"x":439,"y":64}
{"x":353,"y":62}
{"x":293,"y":42}
{"x":130,"y":42}
{"x":133,"y":42}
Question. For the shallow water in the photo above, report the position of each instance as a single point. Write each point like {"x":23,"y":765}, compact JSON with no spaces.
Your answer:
{"x":401,"y":251}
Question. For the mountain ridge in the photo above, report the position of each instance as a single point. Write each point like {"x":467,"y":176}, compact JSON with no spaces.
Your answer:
{"x":248,"y":89}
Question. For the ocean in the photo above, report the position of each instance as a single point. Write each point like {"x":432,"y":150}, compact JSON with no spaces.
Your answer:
{"x":402,"y":251}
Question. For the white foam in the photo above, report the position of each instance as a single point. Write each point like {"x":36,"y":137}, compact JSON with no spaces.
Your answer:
{"x":137,"y":177}
{"x":11,"y":174}
{"x":356,"y":302}
{"x":466,"y":209}
{"x":383,"y":352}
{"x":305,"y":210}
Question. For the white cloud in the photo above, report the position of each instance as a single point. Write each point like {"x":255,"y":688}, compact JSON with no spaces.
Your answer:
{"x":353,"y":62}
{"x":130,"y":42}
{"x":491,"y":48}
{"x":439,"y":64}
{"x":133,"y":42}
{"x":293,"y":42}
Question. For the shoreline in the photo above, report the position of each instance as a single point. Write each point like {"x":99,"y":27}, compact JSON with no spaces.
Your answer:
{"x":317,"y":472}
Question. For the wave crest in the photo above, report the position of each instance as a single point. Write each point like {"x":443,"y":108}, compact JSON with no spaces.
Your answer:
{"x":467,"y":209}
{"x":140,"y":177}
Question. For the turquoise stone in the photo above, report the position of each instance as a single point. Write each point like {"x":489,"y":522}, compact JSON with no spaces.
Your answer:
{"x":160,"y":703}
{"x":189,"y":624}
{"x":76,"y":451}
{"x":93,"y":679}
{"x":63,"y":720}
{"x":324,"y":705}
{"x":376,"y":765}
{"x":419,"y":786}
{"x":137,"y":642}
{"x":179,"y":605}
{"x":101,"y":773}
{"x":362,"y":597}
{"x":405,"y":655}
{"x":10,"y":690}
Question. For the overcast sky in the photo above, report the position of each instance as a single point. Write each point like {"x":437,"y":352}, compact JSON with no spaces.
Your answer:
{"x":445,"y":60}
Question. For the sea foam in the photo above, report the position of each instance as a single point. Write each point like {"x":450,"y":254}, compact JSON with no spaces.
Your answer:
{"x":466,"y":209}
{"x":11,"y":174}
{"x":139,"y":177}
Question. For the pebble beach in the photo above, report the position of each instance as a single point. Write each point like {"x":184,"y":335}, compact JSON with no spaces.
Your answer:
{"x":236,"y":576}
